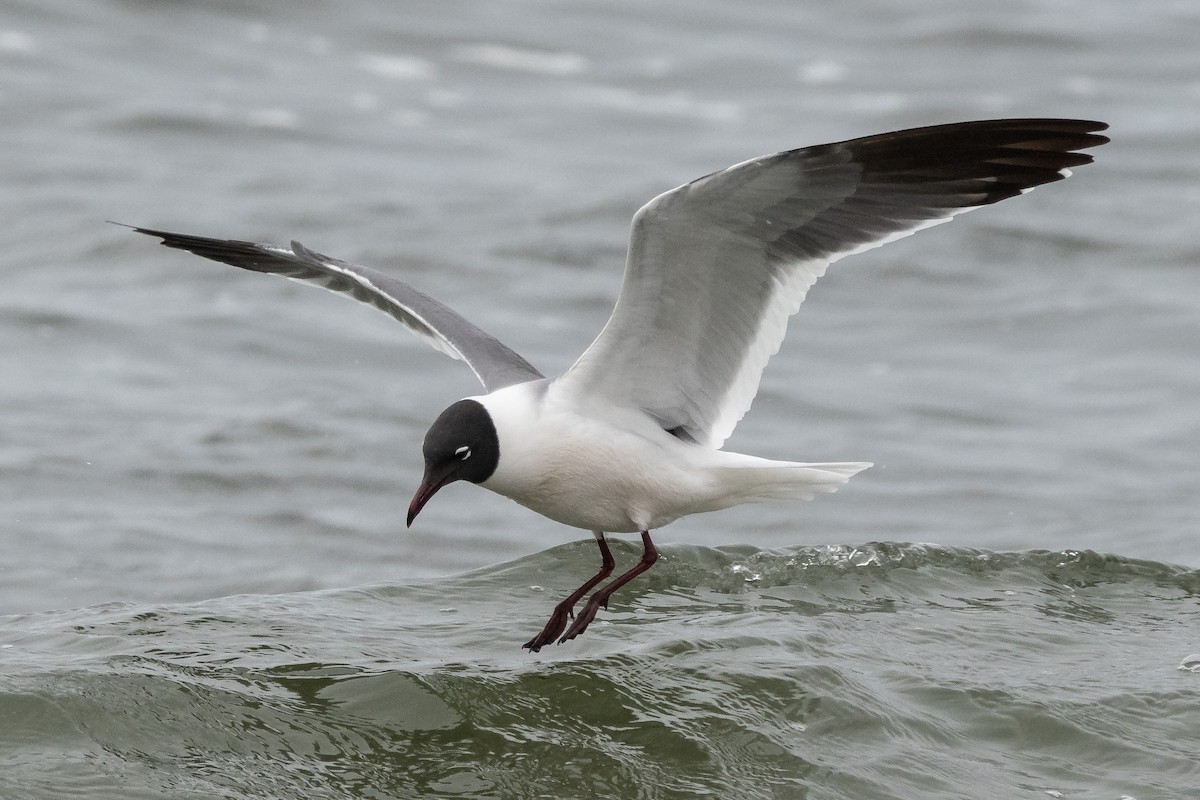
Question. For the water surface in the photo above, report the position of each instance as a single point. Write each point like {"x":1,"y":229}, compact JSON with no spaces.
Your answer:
{"x":206,"y":584}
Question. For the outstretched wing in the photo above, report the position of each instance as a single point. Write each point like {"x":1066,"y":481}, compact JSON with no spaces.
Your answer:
{"x":493,"y":363}
{"x":718,"y":265}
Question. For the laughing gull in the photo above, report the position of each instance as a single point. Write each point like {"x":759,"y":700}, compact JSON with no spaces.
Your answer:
{"x":629,"y":438}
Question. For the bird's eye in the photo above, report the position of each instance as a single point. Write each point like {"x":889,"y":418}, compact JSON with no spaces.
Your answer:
{"x":463,"y":453}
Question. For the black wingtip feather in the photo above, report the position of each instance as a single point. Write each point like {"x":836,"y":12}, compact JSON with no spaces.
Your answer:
{"x":236,"y":253}
{"x":1000,"y":158}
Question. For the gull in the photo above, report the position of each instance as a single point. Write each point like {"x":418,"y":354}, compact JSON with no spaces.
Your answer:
{"x":629,"y":438}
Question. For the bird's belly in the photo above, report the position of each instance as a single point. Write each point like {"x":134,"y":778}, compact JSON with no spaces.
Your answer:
{"x":600,"y":480}
{"x":570,"y":508}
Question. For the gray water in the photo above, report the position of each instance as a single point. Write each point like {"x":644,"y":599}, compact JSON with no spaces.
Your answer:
{"x":206,"y":583}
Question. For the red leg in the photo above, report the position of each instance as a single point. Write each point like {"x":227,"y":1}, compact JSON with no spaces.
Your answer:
{"x":566,"y":609}
{"x":600,"y":598}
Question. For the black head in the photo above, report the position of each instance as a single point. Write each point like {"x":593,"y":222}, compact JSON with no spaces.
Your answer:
{"x":461,"y":445}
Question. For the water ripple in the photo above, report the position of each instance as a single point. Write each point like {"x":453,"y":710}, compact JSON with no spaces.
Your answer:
{"x":882,"y":670}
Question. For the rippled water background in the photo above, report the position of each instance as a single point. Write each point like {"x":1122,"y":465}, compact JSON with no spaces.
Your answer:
{"x":206,"y":588}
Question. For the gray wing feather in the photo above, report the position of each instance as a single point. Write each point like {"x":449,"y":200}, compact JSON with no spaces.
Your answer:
{"x":493,"y":363}
{"x":718,"y":265}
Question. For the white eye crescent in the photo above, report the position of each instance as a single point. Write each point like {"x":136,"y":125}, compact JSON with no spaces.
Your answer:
{"x":463,"y":453}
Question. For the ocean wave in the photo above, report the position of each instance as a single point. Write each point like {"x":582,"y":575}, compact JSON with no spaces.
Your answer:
{"x":881,"y":670}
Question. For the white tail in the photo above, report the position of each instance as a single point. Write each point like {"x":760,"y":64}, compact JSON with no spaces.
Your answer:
{"x":760,"y":479}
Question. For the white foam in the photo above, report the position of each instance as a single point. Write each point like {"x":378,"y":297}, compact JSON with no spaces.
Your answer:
{"x":17,"y":42}
{"x":506,"y":57}
{"x":397,"y":68}
{"x":274,"y":118}
{"x":822,"y":73}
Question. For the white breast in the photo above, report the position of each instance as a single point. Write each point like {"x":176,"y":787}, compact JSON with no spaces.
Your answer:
{"x":598,"y":469}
